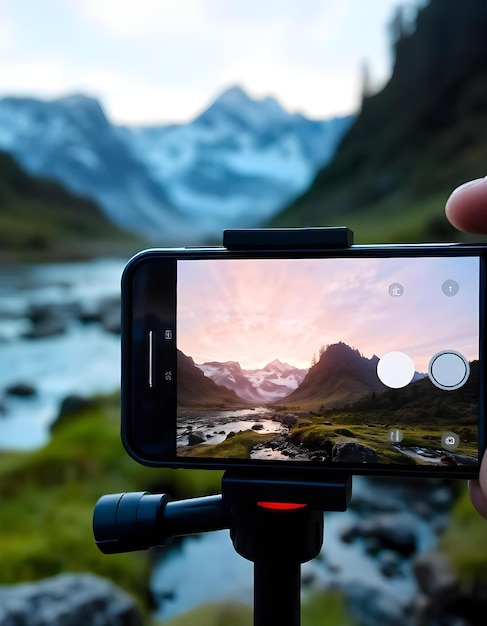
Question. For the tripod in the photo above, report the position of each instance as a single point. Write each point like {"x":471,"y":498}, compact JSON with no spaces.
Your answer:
{"x":275,"y":520}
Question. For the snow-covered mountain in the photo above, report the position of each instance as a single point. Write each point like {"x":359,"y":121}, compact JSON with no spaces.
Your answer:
{"x":271,"y":383}
{"x":235,"y":165}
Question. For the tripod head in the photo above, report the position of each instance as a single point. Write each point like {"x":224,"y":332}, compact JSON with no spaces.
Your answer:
{"x":126,"y":522}
{"x":275,"y":520}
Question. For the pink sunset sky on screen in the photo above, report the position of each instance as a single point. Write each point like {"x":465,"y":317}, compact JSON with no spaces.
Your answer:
{"x":255,"y":311}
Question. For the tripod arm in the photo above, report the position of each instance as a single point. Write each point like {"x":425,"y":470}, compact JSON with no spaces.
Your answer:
{"x":125,"y":522}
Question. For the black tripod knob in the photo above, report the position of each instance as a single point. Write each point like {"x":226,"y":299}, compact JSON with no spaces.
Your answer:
{"x":124,"y":522}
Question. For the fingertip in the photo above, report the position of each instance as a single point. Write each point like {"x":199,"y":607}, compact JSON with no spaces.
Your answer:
{"x":477,"y":497}
{"x":466,"y":208}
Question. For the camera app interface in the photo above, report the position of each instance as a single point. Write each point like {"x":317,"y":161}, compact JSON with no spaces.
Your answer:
{"x":329,"y":360}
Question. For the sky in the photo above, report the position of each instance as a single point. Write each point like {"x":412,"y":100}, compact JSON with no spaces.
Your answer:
{"x":240,"y":310}
{"x":160,"y":61}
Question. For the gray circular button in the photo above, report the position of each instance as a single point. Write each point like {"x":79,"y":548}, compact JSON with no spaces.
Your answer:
{"x":448,"y":370}
{"x":450,"y":441}
{"x":395,"y":435}
{"x":450,"y":288}
{"x":396,"y":290}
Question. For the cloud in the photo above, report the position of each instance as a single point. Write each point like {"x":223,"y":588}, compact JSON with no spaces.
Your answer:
{"x":133,"y":55}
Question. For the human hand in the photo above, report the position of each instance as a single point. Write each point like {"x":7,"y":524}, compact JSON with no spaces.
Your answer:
{"x":466,"y":209}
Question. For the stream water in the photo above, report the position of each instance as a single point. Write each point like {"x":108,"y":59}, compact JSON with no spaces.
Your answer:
{"x":215,"y":426}
{"x":206,"y":568}
{"x":82,"y":360}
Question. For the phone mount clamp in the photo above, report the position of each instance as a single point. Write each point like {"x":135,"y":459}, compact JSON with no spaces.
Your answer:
{"x":275,"y":517}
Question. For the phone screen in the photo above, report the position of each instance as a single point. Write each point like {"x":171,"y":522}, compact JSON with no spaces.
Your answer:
{"x":329,"y":360}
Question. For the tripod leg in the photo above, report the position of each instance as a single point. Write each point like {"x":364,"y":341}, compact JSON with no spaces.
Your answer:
{"x":277,"y":593}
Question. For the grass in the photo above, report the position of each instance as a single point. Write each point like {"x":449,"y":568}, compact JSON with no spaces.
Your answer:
{"x":42,"y":221}
{"x":465,"y":543}
{"x":48,"y":497}
{"x":239,"y":446}
{"x":363,"y":427}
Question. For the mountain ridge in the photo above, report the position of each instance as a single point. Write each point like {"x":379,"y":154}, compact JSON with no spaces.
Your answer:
{"x":267,"y":384}
{"x":340,"y":376}
{"x":234,"y":165}
{"x":40,"y":220}
{"x":195,"y":390}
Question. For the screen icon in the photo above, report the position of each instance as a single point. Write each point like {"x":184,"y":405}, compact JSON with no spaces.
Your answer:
{"x":395,"y":369}
{"x":450,"y":441}
{"x":449,"y":370}
{"x":396,"y":290}
{"x":395,"y":435}
{"x":450,"y":288}
{"x":168,"y":334}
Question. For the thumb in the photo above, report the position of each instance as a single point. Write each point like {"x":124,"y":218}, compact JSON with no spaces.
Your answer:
{"x":466,"y":208}
{"x":478,"y":489}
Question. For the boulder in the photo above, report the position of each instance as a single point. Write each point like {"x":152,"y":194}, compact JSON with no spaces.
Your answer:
{"x":289,"y":420}
{"x":444,"y":598}
{"x":110,"y":315}
{"x":391,"y":531}
{"x":195,"y":437}
{"x":67,"y":600}
{"x":371,"y":606}
{"x":435,"y":577}
{"x":21,"y":390}
{"x":71,"y":405}
{"x":353,"y":452}
{"x":49,"y":320}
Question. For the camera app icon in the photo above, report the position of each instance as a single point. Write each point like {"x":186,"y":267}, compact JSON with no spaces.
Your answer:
{"x":450,"y":440}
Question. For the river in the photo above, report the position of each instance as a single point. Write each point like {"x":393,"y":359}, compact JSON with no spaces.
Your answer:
{"x":83,"y":359}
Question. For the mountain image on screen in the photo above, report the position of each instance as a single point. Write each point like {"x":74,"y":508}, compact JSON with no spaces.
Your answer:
{"x":337,"y":411}
{"x":198,"y":391}
{"x":341,"y":375}
{"x":274,"y":381}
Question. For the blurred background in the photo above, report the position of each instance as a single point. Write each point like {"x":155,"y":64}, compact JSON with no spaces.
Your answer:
{"x":126,"y":125}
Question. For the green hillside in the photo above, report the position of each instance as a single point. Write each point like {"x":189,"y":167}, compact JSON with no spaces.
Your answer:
{"x":40,"y":220}
{"x":415,"y":141}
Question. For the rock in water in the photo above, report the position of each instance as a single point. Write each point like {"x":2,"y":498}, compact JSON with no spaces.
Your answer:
{"x":68,"y":600}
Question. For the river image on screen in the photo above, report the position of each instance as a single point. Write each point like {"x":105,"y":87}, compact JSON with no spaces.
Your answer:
{"x":325,"y":361}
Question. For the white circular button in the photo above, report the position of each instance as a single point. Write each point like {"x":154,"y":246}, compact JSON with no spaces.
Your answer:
{"x":449,"y":370}
{"x":395,"y":369}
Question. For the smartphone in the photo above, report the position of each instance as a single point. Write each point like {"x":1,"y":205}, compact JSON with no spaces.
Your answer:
{"x":365,"y":359}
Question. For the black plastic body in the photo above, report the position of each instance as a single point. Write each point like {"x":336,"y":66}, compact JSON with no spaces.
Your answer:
{"x":288,"y":238}
{"x":148,"y":440}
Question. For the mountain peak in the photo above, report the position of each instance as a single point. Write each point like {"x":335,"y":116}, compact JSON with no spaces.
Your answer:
{"x":80,"y":105}
{"x":238,"y":107}
{"x":277,"y":366}
{"x":78,"y":100}
{"x":233,"y":96}
{"x":232,"y":167}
